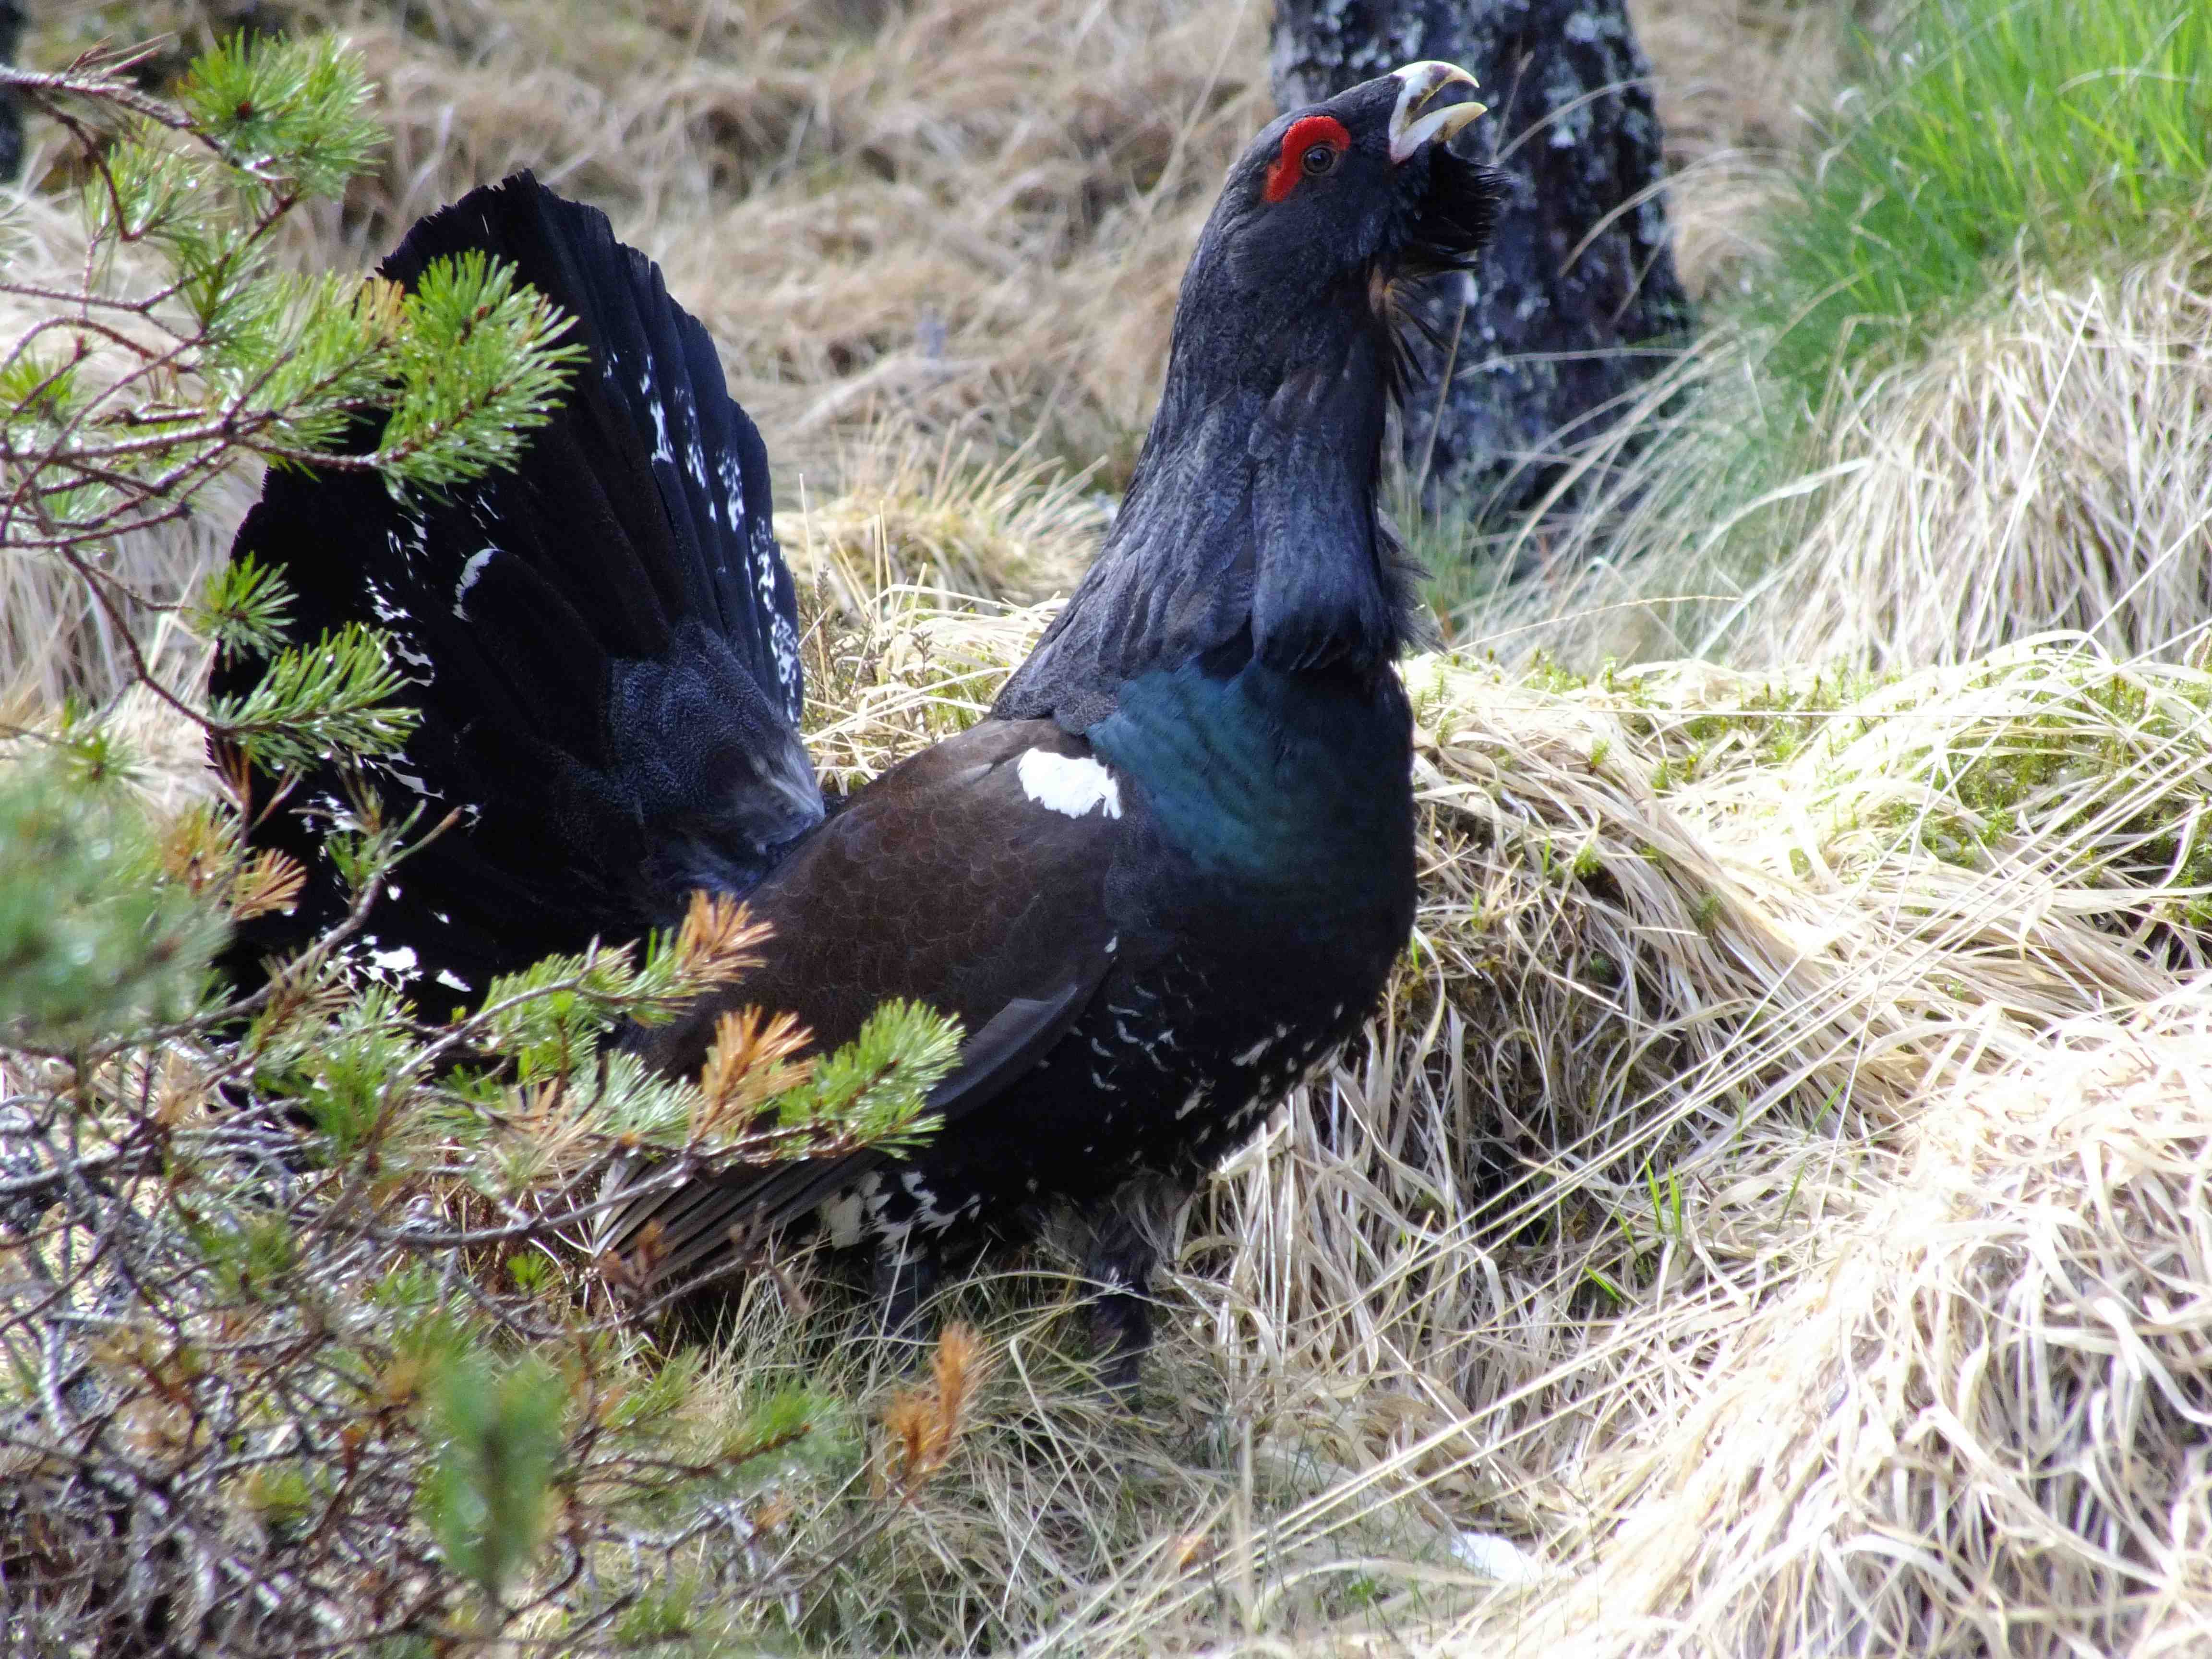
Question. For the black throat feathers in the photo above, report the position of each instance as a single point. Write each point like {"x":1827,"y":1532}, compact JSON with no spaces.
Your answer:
{"x":1253,"y":516}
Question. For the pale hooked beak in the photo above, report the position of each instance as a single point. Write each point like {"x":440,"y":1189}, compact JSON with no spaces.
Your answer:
{"x":1420,"y":83}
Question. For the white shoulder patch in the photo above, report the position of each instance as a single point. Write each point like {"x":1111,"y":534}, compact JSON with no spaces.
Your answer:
{"x":1068,"y":783}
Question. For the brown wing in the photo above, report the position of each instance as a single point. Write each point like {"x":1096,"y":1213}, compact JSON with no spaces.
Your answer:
{"x":972,"y":876}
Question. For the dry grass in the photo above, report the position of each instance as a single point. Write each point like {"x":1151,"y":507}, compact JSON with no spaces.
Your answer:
{"x":1575,"y":1215}
{"x":967,"y":217}
{"x":1017,"y":529}
{"x":1761,"y":1202}
{"x":1978,"y":1424}
{"x":1734,"y":79}
{"x":2042,"y":469}
{"x":2047,"y":470}
{"x":1713,"y":1119}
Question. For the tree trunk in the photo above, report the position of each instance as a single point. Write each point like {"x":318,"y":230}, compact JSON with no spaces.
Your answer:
{"x":1576,"y":300}
{"x":11,"y":114}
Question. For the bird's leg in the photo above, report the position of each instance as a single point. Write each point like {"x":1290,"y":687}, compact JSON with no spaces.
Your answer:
{"x":1120,"y":1270}
{"x":905,"y":1279}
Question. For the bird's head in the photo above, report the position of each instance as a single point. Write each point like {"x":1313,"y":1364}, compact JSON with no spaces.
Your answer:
{"x":1252,"y":524}
{"x":1333,"y":211}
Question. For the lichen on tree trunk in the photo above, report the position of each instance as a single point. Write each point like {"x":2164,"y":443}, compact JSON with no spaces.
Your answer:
{"x":1576,"y":301}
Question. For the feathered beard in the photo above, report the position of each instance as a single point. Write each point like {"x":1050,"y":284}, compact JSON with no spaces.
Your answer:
{"x":1458,"y":212}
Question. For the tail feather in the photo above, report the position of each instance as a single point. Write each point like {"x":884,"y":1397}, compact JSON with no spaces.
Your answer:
{"x":603,"y":642}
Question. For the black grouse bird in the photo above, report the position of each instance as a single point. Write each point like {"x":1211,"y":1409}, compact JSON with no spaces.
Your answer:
{"x":1166,"y":876}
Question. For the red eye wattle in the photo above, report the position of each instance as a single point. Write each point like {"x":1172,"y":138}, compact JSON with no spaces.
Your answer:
{"x":1313,"y":132}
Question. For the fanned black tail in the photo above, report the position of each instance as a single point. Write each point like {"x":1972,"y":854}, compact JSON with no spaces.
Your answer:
{"x":604,"y":642}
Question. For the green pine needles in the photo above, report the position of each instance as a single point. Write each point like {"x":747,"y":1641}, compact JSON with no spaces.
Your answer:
{"x":190,"y":347}
{"x":92,"y":939}
{"x":304,"y":1344}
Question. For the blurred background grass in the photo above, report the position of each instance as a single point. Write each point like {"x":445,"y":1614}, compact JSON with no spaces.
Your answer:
{"x":1924,"y":240}
{"x":946,"y":227}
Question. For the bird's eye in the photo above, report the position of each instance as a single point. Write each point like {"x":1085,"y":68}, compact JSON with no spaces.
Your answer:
{"x":1313,"y":146}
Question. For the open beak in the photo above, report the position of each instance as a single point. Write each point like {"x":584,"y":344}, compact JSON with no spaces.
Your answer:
{"x":1419,"y":119}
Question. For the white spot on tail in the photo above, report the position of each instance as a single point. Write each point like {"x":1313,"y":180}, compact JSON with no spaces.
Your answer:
{"x":840,"y":1218}
{"x":470,"y":572}
{"x":1496,"y":1558}
{"x":1068,"y":783}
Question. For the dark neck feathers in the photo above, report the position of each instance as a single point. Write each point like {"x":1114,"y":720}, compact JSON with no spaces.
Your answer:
{"x":1252,"y":513}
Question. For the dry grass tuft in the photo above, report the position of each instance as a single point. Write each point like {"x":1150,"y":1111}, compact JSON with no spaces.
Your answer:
{"x":2046,"y":470}
{"x":2041,"y":469}
{"x":936,"y":518}
{"x":1978,"y":1425}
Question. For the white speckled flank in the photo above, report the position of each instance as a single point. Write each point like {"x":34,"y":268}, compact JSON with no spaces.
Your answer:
{"x":1068,"y":783}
